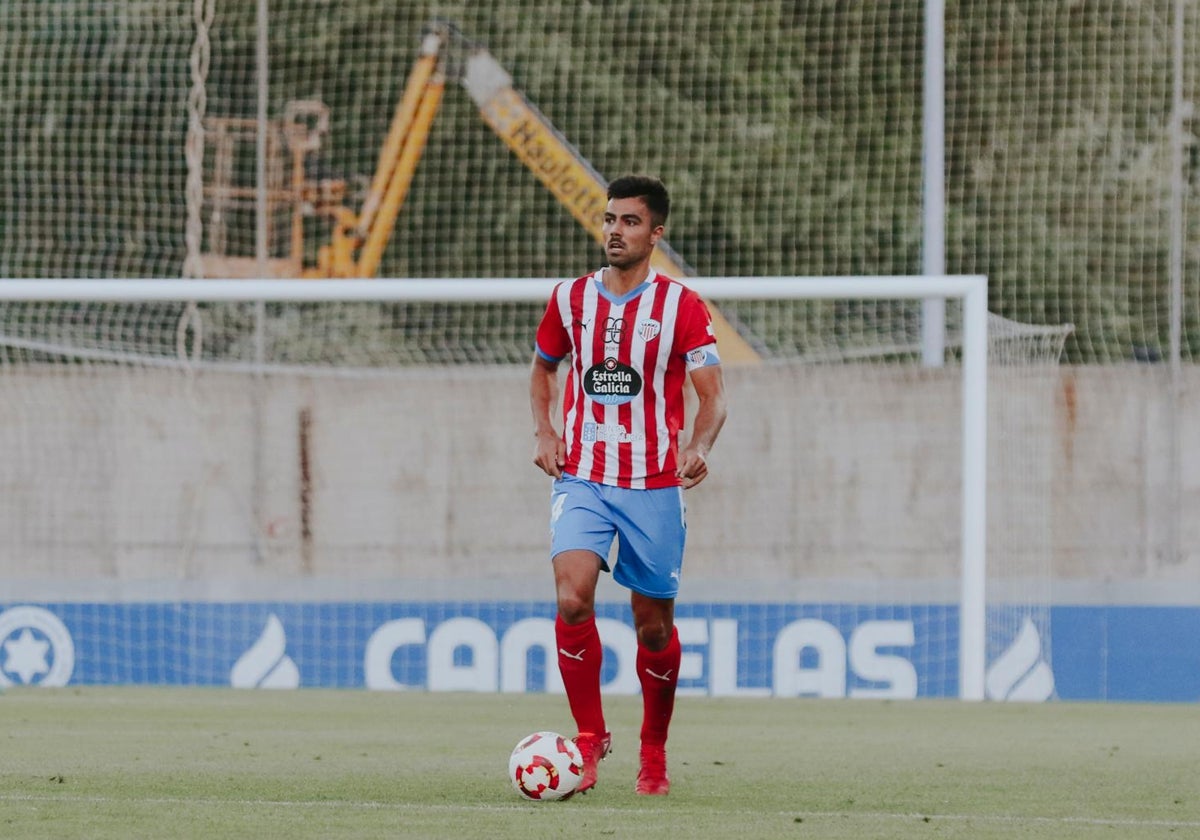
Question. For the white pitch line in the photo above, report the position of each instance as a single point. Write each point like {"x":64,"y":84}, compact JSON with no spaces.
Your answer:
{"x":1002,"y":819}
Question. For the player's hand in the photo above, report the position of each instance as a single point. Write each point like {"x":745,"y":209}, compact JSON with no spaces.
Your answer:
{"x":550,"y":453}
{"x":693,"y":468}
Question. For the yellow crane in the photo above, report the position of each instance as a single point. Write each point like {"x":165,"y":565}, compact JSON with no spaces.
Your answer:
{"x":358,"y":240}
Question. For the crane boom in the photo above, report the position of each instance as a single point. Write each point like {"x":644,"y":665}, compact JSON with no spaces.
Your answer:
{"x":566,"y":173}
{"x":357,"y":240}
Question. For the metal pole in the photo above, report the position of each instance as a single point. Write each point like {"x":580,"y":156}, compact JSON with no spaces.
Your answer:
{"x":973,"y":606}
{"x":260,"y":222}
{"x":475,"y":290}
{"x":1180,"y":110}
{"x":261,"y":254}
{"x":933,"y":310}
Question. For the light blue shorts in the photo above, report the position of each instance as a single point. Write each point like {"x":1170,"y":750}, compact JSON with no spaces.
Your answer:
{"x":650,"y":527}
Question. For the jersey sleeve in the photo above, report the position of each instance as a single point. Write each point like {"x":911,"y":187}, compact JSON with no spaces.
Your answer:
{"x":697,"y":341}
{"x":552,"y":342}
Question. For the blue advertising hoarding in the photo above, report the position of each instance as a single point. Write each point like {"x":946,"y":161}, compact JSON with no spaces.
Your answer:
{"x":1128,"y":653}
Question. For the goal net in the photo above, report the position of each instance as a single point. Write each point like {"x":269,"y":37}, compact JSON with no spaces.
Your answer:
{"x":330,"y":483}
{"x":796,"y":142}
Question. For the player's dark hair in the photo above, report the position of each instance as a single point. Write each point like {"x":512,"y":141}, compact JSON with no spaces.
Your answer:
{"x":649,"y":189}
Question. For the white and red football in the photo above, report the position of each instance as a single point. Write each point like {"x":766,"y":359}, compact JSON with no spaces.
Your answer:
{"x":545,"y":766}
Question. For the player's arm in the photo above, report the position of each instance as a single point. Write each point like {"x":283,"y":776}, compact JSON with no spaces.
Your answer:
{"x":709,"y":385}
{"x":549,"y":452}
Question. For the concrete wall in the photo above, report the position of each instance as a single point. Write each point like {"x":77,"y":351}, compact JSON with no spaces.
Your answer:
{"x":822,"y":473}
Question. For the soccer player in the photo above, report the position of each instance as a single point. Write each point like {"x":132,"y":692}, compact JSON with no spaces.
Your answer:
{"x":631,"y":338}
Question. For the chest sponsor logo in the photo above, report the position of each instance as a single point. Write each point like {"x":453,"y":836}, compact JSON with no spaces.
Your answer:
{"x":612,"y":382}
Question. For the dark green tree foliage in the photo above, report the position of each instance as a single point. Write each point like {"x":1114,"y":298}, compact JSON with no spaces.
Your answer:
{"x":789,"y":132}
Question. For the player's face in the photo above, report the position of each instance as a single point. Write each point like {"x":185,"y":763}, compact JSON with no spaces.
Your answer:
{"x":629,"y":233}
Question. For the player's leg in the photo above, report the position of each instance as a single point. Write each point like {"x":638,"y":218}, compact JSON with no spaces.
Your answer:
{"x":580,"y":655}
{"x":581,"y":537}
{"x":658,"y":658}
{"x":652,"y":531}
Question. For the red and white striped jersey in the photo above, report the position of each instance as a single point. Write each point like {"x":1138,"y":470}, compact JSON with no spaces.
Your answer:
{"x":623,"y":402}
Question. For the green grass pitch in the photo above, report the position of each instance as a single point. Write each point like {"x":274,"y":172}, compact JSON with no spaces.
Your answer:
{"x":216,"y":763}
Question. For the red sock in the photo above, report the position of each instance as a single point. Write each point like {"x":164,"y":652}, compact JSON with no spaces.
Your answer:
{"x":659,"y":675}
{"x":580,"y":655}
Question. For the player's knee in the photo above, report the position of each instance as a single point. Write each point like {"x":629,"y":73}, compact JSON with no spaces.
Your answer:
{"x":574,"y":609}
{"x":654,"y":635}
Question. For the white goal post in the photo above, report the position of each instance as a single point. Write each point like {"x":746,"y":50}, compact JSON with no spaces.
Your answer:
{"x":971,"y":358}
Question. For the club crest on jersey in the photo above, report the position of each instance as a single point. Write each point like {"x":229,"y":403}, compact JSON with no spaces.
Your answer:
{"x":612,"y":382}
{"x":648,"y":329}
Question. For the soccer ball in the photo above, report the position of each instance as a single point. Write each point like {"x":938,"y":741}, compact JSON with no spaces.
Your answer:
{"x":545,"y":765}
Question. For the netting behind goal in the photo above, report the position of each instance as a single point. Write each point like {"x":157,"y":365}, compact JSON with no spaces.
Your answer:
{"x":340,"y":492}
{"x":790,"y":134}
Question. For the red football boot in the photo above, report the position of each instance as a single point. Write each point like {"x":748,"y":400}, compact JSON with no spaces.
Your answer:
{"x":652,"y":777}
{"x":593,"y":748}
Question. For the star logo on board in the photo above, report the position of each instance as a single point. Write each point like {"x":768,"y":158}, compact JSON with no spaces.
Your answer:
{"x":35,"y":648}
{"x":25,"y":656}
